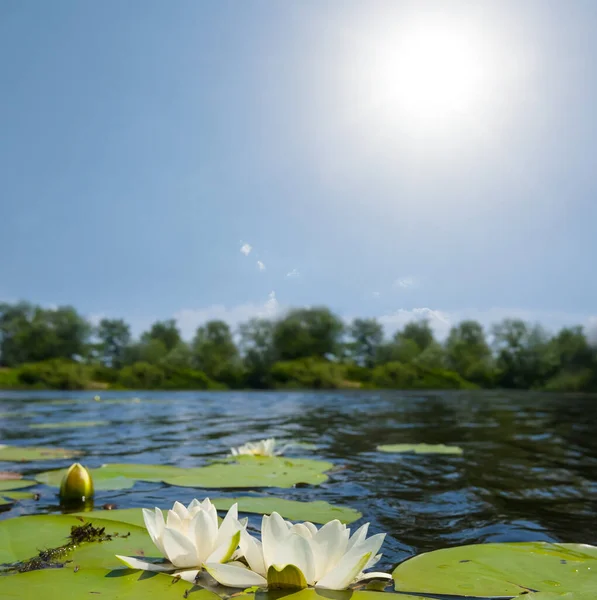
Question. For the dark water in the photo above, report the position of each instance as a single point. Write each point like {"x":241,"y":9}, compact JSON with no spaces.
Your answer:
{"x":529,"y":470}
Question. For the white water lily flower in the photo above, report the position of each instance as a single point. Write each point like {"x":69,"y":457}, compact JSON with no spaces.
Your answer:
{"x":189,"y":538}
{"x":260,"y":448}
{"x":300,"y":555}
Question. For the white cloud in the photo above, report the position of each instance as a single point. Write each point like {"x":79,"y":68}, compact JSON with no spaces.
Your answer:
{"x":405,"y":283}
{"x":271,"y":307}
{"x":376,"y":294}
{"x":260,"y":266}
{"x":246,"y":249}
{"x":293,"y":273}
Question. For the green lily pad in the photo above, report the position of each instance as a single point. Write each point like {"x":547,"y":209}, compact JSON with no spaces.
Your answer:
{"x":16,"y":484}
{"x":32,"y":453}
{"x":22,"y":538}
{"x":316,"y":512}
{"x":254,"y":472}
{"x":58,"y":584}
{"x":17,"y":495}
{"x":246,"y":472}
{"x":421,"y":448}
{"x":5,"y":501}
{"x":557,"y":596}
{"x":319,"y":594}
{"x":107,"y":481}
{"x":500,"y":570}
{"x":68,"y":424}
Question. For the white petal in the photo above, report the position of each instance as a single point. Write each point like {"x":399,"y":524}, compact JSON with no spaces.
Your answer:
{"x":189,"y":576}
{"x":329,"y":546}
{"x":179,"y":549}
{"x":358,"y":536}
{"x":302,"y":530}
{"x":371,"y":545}
{"x":374,"y":575}
{"x":224,"y":552}
{"x":137,"y":563}
{"x":154,"y":522}
{"x":204,"y":531}
{"x":180,"y":510}
{"x":229,"y":526}
{"x":373,"y":561}
{"x":173,"y":521}
{"x":345,"y":573}
{"x":296,"y":551}
{"x":233,"y":576}
{"x":312,"y":528}
{"x":274,"y":532}
{"x":252,"y":550}
{"x":194,"y":503}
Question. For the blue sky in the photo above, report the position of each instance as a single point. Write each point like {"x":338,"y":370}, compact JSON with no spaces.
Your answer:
{"x":144,"y":143}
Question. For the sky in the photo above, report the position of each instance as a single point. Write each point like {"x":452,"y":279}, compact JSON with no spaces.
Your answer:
{"x":394,"y":159}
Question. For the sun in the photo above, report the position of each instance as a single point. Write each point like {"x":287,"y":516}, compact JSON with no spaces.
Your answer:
{"x":435,"y":72}
{"x":429,"y":75}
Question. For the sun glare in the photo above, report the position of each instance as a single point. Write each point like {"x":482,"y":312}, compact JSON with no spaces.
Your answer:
{"x":428,"y":76}
{"x":434,"y":73}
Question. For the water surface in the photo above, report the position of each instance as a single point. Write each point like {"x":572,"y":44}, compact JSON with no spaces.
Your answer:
{"x":529,"y":469}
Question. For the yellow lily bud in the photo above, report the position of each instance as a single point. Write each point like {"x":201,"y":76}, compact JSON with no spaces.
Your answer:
{"x":76,"y":485}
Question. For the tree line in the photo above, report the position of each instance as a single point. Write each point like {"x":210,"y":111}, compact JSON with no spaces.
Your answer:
{"x":304,"y":348}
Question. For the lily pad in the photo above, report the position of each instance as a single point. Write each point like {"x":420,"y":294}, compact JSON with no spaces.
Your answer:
{"x":316,"y":512}
{"x":22,"y":538}
{"x":32,"y":453}
{"x":319,"y":594}
{"x":17,"y":495}
{"x":246,"y":472}
{"x":421,"y":448}
{"x":16,"y":484}
{"x":557,"y":596}
{"x":68,"y":424}
{"x":254,"y":472}
{"x":102,"y":481}
{"x":500,"y":570}
{"x":58,"y":584}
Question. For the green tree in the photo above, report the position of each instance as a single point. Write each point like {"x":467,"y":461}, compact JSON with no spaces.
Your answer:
{"x":215,"y":353}
{"x":152,"y":351}
{"x":307,"y":332}
{"x":166,"y":332}
{"x":403,"y":350}
{"x":468,"y":353}
{"x":114,"y":336}
{"x":367,"y":336}
{"x":418,"y":331}
{"x":523,"y":352}
{"x":257,"y":348}
{"x":31,"y":333}
{"x":180,"y":357}
{"x":15,"y":335}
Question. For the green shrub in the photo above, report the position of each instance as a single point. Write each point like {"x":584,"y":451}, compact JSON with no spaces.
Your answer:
{"x":571,"y":381}
{"x":141,"y":376}
{"x":9,"y":378}
{"x":397,"y":375}
{"x":308,"y":373}
{"x":55,"y":374}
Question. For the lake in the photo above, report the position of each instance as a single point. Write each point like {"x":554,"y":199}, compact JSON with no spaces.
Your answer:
{"x":528,"y":472}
